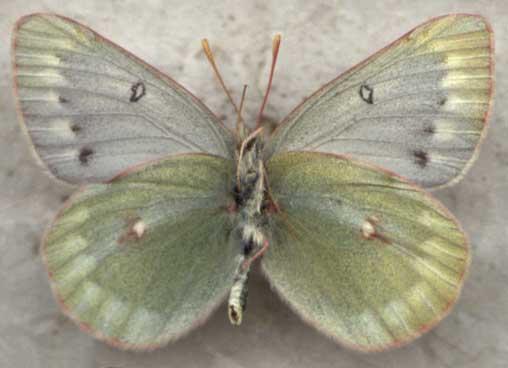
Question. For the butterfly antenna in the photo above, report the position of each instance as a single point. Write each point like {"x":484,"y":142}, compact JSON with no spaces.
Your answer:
{"x":275,"y":53}
{"x":240,"y":127}
{"x":211,"y":59}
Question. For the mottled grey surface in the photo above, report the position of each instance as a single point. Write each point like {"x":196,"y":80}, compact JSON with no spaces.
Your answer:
{"x":320,"y":40}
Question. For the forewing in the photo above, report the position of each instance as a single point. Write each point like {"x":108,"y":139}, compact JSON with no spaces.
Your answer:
{"x":360,"y":253}
{"x":418,"y":107}
{"x":140,"y":261}
{"x":92,"y":109}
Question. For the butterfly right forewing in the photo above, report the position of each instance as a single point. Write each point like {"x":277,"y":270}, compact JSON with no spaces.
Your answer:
{"x":418,"y":107}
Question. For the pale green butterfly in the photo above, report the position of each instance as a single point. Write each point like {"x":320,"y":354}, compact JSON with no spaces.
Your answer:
{"x":363,"y":254}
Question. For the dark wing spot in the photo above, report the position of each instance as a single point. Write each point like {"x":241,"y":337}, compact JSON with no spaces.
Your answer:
{"x":442,"y":101}
{"x":84,"y":155}
{"x":429,"y":129}
{"x":138,"y":90}
{"x":367,"y":93}
{"x":421,"y":158}
{"x":75,"y":128}
{"x":63,"y":99}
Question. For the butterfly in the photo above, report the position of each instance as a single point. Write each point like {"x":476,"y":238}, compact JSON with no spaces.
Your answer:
{"x":175,"y":207}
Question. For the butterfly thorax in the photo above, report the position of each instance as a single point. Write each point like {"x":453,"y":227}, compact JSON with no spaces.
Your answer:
{"x":250,"y":199}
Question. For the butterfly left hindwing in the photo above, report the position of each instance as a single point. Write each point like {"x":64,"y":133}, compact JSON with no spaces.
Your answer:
{"x":142,"y":260}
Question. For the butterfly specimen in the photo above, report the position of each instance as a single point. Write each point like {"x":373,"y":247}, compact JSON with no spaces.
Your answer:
{"x":175,"y":207}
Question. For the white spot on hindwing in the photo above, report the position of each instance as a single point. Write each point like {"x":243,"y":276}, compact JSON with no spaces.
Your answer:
{"x":135,"y":231}
{"x":368,"y":229}
{"x":139,"y":228}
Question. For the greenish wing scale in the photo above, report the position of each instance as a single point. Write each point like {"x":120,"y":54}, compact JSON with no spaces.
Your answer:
{"x":142,"y":260}
{"x":418,"y":107}
{"x":360,"y":253}
{"x":92,"y":109}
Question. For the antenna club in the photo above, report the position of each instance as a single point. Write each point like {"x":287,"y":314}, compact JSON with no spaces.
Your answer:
{"x":276,"y":44}
{"x":206,"y":48}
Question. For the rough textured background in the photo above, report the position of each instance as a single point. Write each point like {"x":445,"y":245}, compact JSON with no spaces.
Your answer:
{"x":320,"y":40}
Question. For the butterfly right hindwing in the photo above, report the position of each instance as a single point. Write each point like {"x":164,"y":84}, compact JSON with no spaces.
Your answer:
{"x":360,"y":253}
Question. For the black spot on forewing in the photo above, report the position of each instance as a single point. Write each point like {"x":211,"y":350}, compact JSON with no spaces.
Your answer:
{"x":63,"y":99}
{"x":442,"y":101}
{"x":84,"y":155}
{"x":367,"y":93}
{"x":75,"y":128}
{"x":421,"y":158}
{"x":138,"y":90}
{"x":429,"y":129}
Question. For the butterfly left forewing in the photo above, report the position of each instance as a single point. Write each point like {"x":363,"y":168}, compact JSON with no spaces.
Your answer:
{"x":418,"y":107}
{"x":92,"y":109}
{"x":360,"y":253}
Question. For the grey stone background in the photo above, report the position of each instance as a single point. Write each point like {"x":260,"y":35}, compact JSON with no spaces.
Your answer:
{"x":320,"y":40}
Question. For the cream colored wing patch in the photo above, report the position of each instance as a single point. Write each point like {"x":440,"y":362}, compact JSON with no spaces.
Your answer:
{"x":92,"y":109}
{"x":418,"y":107}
